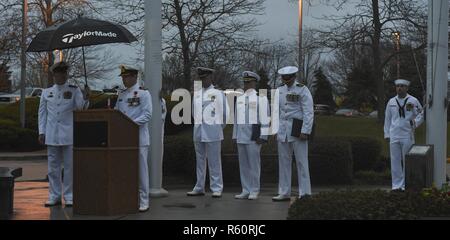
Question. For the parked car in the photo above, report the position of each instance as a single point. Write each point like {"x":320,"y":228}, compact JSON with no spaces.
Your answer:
{"x":15,"y":96}
{"x":373,"y":114}
{"x":348,"y":112}
{"x":322,"y":109}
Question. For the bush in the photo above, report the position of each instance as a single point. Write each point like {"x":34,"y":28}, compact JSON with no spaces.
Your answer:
{"x":370,"y":205}
{"x":170,"y":127}
{"x":179,"y":157}
{"x":15,"y":138}
{"x":330,"y":161}
{"x":12,"y":112}
{"x":366,"y":153}
{"x":373,"y":177}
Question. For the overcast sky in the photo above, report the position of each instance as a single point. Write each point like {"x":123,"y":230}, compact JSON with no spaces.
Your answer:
{"x":279,"y":22}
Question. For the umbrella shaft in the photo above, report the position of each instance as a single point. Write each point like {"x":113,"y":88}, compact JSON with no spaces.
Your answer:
{"x":84,"y":66}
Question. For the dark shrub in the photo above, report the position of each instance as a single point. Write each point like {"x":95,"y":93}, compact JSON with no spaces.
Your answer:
{"x":366,"y":153}
{"x":373,"y":177}
{"x":12,"y":112}
{"x":14,"y":138}
{"x":179,"y":157}
{"x":170,"y":127}
{"x":330,"y":161}
{"x":370,"y":205}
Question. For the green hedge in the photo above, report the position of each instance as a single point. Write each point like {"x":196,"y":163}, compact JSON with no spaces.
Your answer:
{"x":170,"y":127}
{"x":12,"y":112}
{"x":330,"y":161}
{"x":15,"y":138}
{"x":366,"y":153}
{"x":371,"y":205}
{"x":179,"y":158}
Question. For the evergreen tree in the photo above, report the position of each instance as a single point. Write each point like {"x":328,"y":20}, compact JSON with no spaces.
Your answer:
{"x":323,"y":93}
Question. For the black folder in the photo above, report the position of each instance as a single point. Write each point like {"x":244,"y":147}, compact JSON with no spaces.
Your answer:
{"x":297,"y":126}
{"x":256,"y":132}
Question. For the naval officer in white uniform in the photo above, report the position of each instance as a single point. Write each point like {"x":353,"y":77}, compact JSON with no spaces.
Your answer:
{"x":55,"y":118}
{"x":295,"y":126}
{"x":136,"y":103}
{"x":404,"y":114}
{"x":250,"y":131}
{"x":210,"y":111}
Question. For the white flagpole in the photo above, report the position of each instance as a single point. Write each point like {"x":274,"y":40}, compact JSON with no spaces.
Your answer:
{"x":153,"y":81}
{"x":437,"y":86}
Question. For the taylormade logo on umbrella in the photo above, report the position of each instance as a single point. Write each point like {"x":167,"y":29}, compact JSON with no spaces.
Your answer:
{"x":69,"y":38}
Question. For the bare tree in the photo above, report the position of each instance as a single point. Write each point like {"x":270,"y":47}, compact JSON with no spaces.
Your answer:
{"x":369,"y":24}
{"x":189,"y":24}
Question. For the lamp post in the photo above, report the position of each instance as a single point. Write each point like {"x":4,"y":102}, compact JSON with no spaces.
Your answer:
{"x":23,"y":62}
{"x":397,"y":39}
{"x":300,"y":39}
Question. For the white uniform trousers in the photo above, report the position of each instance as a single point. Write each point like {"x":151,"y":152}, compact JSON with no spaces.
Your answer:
{"x":300,"y":149}
{"x":58,"y":155}
{"x":144,"y":182}
{"x":399,"y":149}
{"x":250,"y":167}
{"x":210,"y":151}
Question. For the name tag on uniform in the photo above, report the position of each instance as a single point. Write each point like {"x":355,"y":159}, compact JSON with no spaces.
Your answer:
{"x":252,"y":104}
{"x":68,"y":95}
{"x":134,"y":102}
{"x":51,"y":95}
{"x":292,"y":97}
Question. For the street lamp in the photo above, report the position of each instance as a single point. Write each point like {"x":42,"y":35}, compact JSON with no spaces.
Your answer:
{"x":23,"y":61}
{"x":300,"y":39}
{"x":397,"y":39}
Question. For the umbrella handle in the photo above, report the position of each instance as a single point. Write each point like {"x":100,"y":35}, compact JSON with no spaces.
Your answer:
{"x":85,"y":72}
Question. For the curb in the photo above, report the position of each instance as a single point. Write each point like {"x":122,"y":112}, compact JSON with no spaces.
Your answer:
{"x":24,"y":158}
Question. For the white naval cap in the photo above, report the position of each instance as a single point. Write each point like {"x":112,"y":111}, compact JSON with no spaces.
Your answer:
{"x":402,"y":82}
{"x":248,"y":76}
{"x":290,"y":70}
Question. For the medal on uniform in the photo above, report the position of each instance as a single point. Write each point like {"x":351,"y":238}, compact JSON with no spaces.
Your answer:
{"x":409,"y":107}
{"x":68,"y":95}
{"x":50,"y":95}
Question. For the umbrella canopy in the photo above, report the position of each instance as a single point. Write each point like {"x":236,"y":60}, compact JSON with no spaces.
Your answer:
{"x":78,"y":33}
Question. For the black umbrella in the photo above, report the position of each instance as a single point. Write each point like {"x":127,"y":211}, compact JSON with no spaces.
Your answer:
{"x":80,"y":32}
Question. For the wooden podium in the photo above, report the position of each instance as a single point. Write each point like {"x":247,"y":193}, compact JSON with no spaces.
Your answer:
{"x":106,"y":163}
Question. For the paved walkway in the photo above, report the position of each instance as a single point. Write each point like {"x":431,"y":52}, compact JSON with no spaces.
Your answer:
{"x":31,"y":193}
{"x":30,"y":197}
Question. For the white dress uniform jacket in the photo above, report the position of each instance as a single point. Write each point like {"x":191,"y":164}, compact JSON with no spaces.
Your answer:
{"x":295,"y":103}
{"x":397,"y":127}
{"x":205,"y":132}
{"x":137,"y":105}
{"x":247,"y":114}
{"x":56,"y":109}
